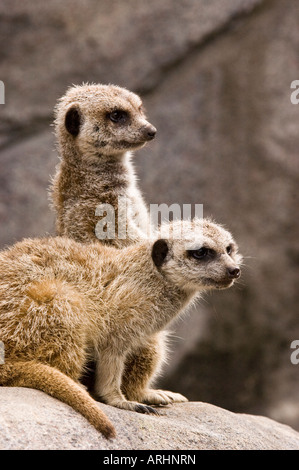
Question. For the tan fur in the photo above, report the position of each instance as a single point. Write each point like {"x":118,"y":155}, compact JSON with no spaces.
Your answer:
{"x":62,"y":303}
{"x":96,"y":166}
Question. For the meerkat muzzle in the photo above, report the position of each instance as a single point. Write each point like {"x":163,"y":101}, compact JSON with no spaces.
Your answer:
{"x":233,"y":273}
{"x":149,"y":132}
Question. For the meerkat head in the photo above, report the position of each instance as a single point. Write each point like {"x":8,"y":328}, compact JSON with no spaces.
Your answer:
{"x":197,"y":255}
{"x":102,"y":120}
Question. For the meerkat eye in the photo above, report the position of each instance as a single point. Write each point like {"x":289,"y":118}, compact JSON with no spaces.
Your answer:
{"x":202,"y":253}
{"x":118,"y":116}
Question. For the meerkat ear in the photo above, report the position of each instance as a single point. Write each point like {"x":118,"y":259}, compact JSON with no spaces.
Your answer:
{"x":72,"y":120}
{"x":159,"y":252}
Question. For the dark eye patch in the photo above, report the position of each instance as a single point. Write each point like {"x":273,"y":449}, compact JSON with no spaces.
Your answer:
{"x":118,"y":116}
{"x":202,"y":253}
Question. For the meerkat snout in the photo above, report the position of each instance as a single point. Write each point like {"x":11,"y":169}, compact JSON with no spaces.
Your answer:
{"x":233,"y":272}
{"x":149,"y":132}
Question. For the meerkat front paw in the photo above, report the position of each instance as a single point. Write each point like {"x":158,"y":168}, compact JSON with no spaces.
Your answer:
{"x":162,"y":397}
{"x":133,"y":406}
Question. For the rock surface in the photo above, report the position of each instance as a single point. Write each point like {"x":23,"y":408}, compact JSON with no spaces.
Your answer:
{"x":52,"y":45}
{"x":31,"y":420}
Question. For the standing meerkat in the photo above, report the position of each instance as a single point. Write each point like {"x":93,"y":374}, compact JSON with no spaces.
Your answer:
{"x":62,"y":303}
{"x":97,"y":128}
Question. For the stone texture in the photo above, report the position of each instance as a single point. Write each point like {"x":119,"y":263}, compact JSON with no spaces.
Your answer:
{"x":231,"y":143}
{"x":31,"y":420}
{"x":50,"y":45}
{"x":215,"y":77}
{"x":25,"y":171}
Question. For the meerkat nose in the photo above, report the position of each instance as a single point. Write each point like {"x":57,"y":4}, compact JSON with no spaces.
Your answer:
{"x":233,"y":273}
{"x":152,"y":132}
{"x":149,"y":132}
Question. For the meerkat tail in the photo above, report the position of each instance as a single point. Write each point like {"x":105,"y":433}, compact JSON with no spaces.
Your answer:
{"x":53,"y":382}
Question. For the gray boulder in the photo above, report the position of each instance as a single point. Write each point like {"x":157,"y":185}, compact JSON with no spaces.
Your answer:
{"x":31,"y":420}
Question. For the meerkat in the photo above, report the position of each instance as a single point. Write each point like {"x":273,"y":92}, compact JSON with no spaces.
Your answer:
{"x":62,"y":302}
{"x":97,"y":128}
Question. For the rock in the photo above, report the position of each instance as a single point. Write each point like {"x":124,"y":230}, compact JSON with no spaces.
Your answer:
{"x":25,"y":171}
{"x":50,"y":46}
{"x":228,"y":138}
{"x":31,"y":420}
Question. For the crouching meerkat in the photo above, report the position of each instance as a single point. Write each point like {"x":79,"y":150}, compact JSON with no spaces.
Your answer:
{"x":62,"y":303}
{"x":97,"y":128}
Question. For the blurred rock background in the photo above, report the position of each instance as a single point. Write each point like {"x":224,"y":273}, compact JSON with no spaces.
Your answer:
{"x":215,"y":79}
